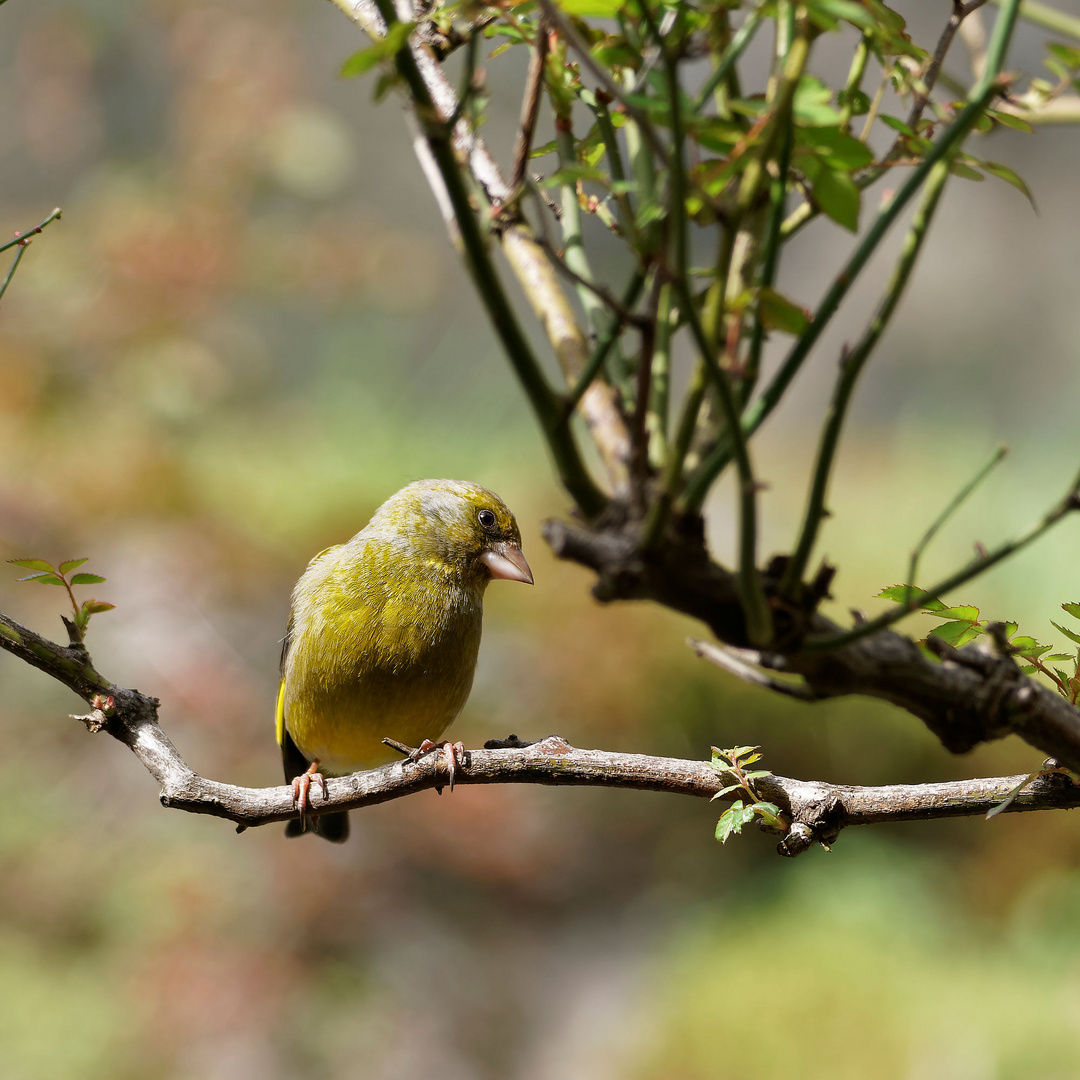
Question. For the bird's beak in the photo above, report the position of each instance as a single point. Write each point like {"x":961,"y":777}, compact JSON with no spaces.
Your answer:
{"x":506,"y":561}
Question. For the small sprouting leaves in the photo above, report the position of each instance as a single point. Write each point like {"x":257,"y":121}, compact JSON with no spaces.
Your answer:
{"x":733,"y":819}
{"x":47,"y":574}
{"x":962,"y":625}
{"x":733,"y":763}
{"x":31,"y":564}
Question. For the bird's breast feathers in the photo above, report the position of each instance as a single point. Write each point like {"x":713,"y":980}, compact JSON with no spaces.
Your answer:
{"x":382,"y":645}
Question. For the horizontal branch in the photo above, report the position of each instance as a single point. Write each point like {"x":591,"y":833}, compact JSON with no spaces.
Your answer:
{"x":812,"y":811}
{"x":966,"y":697}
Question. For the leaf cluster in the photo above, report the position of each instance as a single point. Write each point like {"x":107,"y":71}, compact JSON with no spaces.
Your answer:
{"x":44,"y":573}
{"x":733,"y":764}
{"x":962,"y":624}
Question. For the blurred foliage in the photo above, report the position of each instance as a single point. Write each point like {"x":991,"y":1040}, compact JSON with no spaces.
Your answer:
{"x":219,"y":362}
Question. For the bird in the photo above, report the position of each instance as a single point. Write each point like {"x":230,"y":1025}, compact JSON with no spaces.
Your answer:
{"x":383,"y":636}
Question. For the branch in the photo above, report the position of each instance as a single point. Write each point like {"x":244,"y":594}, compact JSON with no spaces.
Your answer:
{"x":967,"y":698}
{"x":815,"y":812}
{"x":527,"y":260}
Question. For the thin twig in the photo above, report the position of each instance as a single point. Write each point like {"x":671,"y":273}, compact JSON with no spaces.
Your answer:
{"x":957,"y":501}
{"x":760,"y":410}
{"x":530,"y":106}
{"x":732,"y":660}
{"x":23,"y":237}
{"x":574,"y":40}
{"x":851,"y":366}
{"x":1067,"y":505}
{"x":606,"y":341}
{"x":597,"y":289}
{"x":739,"y":41}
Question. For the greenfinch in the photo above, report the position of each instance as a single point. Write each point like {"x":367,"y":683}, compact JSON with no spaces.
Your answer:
{"x":383,"y":635}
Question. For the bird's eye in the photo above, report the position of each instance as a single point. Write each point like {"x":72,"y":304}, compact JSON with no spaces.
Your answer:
{"x":486,"y":519}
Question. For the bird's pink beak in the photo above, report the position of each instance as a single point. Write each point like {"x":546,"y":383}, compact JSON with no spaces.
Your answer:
{"x":506,"y":561}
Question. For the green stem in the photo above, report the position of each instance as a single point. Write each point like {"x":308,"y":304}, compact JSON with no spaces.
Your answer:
{"x":546,"y":404}
{"x":11,"y":272}
{"x":1049,"y":18}
{"x":854,"y":79}
{"x":954,"y":505}
{"x":981,"y":96}
{"x":1070,"y":503}
{"x":623,"y":203}
{"x":22,"y":238}
{"x":741,"y":38}
{"x":657,"y":419}
{"x":607,"y":340}
{"x":850,"y":369}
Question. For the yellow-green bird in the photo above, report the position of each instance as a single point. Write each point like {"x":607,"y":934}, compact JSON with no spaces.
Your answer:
{"x":384,"y":632}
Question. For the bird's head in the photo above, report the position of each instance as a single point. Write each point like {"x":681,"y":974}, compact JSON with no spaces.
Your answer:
{"x":459,"y":524}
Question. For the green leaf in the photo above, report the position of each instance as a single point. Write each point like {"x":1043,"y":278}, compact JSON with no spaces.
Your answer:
{"x":43,"y":579}
{"x":811,"y":106}
{"x":733,"y":819}
{"x":70,"y":564}
{"x":970,"y":614}
{"x":1059,"y":656}
{"x":1003,"y":172}
{"x":769,"y":813}
{"x":835,"y":146}
{"x":956,"y":634}
{"x":383,"y":49}
{"x":95,"y":607}
{"x":87,"y":579}
{"x":1072,"y":609}
{"x":859,"y":101}
{"x":725,"y":791}
{"x":896,"y":124}
{"x":1010,"y":121}
{"x":777,"y":312}
{"x":543,"y":151}
{"x":1068,"y":633}
{"x":591,"y":9}
{"x":845,"y":10}
{"x":31,"y":564}
{"x":1067,"y":54}
{"x":838,"y":197}
{"x":958,"y":168}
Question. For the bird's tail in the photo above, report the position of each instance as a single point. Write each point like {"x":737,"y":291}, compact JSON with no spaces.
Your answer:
{"x":333,"y":826}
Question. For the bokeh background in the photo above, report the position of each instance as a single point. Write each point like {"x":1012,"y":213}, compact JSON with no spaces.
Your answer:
{"x":249,"y":329}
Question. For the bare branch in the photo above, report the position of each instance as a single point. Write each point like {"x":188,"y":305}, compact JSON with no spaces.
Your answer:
{"x":743,"y":663}
{"x":530,"y":107}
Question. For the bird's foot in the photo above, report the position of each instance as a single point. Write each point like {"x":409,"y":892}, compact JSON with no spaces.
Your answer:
{"x":301,"y":788}
{"x":454,"y":754}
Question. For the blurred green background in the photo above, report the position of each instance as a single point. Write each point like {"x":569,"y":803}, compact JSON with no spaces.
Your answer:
{"x":247,"y":330}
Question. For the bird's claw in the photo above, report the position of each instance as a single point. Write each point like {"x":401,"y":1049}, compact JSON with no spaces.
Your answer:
{"x":301,"y":788}
{"x":454,"y":754}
